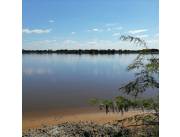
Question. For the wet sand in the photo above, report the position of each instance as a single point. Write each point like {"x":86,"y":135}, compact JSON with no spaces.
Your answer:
{"x":37,"y":120}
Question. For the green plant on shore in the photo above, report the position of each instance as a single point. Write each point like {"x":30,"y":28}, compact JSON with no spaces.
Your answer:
{"x":122,"y":104}
{"x":146,"y":76}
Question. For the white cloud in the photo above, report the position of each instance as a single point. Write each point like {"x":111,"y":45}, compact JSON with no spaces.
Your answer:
{"x":73,"y":33}
{"x":118,"y":28}
{"x":36,"y":31}
{"x":68,"y":41}
{"x":114,"y":28}
{"x":51,"y":21}
{"x":137,"y":31}
{"x":116,"y":34}
{"x":42,"y":42}
{"x":92,"y":43}
{"x":142,"y":36}
{"x":95,"y":30}
{"x":110,"y":24}
{"x":153,"y":43}
{"x":109,"y":29}
{"x":47,"y":41}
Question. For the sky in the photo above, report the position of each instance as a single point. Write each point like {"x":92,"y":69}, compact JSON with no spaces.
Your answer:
{"x":89,"y":24}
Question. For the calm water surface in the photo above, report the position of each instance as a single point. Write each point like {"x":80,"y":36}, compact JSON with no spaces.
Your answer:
{"x":52,"y":81}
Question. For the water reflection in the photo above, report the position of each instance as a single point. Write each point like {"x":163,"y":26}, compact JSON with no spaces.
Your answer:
{"x":66,"y":81}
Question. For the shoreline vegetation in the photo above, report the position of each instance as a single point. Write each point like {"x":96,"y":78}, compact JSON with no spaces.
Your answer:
{"x":92,"y":51}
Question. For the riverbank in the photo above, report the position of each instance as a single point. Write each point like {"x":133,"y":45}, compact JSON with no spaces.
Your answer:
{"x":97,"y":117}
{"x":126,"y":125}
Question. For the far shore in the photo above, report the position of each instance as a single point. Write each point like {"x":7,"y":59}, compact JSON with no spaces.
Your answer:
{"x":31,"y":122}
{"x":92,"y":51}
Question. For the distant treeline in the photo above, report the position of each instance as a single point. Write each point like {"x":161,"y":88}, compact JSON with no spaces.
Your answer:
{"x":91,"y":51}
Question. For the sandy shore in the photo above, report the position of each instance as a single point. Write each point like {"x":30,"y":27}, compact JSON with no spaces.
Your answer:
{"x":34,"y":121}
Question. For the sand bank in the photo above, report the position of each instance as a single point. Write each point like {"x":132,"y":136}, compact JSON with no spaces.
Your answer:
{"x":35,"y":121}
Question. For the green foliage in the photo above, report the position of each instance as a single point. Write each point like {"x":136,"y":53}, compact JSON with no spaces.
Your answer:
{"x":142,"y":81}
{"x":146,"y":69}
{"x":144,"y":77}
{"x":137,"y":63}
{"x":153,"y":65}
{"x":122,"y":104}
{"x":136,"y":40}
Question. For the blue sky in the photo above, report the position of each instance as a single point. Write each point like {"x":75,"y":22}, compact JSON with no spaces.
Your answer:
{"x":88,"y":24}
